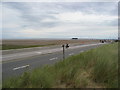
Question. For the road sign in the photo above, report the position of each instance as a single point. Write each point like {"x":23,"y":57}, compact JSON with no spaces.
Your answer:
{"x":67,"y":46}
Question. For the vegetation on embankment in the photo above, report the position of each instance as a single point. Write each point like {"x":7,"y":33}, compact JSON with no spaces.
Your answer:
{"x":7,"y":47}
{"x":96,"y":68}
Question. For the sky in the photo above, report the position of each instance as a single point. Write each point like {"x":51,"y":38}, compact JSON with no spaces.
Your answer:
{"x":35,"y":20}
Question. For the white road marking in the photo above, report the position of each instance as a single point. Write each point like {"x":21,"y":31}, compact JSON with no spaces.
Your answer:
{"x":53,"y":58}
{"x":39,"y":52}
{"x":71,"y":54}
{"x":81,"y":51}
{"x":21,"y":67}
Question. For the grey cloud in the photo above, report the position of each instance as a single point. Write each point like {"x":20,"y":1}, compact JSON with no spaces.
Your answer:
{"x":89,"y":7}
{"x":33,"y":14}
{"x":32,"y":18}
{"x":46,"y":10}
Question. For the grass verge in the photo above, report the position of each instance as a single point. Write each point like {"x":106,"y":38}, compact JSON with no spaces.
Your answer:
{"x":96,"y":68}
{"x":7,"y":47}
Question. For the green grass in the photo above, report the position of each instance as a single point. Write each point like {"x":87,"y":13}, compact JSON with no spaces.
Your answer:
{"x":0,"y":47}
{"x":96,"y":68}
{"x":7,"y":47}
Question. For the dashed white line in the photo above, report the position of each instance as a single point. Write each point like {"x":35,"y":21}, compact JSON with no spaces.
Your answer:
{"x":53,"y":58}
{"x":71,"y":54}
{"x":38,"y":52}
{"x":21,"y":67}
{"x":81,"y":51}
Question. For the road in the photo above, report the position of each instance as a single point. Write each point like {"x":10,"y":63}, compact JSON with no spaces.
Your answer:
{"x":18,"y":61}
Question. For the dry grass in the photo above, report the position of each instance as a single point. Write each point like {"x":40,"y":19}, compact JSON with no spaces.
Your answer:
{"x":18,"y":44}
{"x":45,"y":42}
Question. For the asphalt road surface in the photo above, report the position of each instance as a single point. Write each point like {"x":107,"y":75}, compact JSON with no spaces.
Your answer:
{"x":15,"y":62}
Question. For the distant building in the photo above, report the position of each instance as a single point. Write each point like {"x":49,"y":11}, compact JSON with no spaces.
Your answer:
{"x":74,"y":38}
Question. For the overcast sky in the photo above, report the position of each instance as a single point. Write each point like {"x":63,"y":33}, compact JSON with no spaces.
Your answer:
{"x":31,"y":20}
